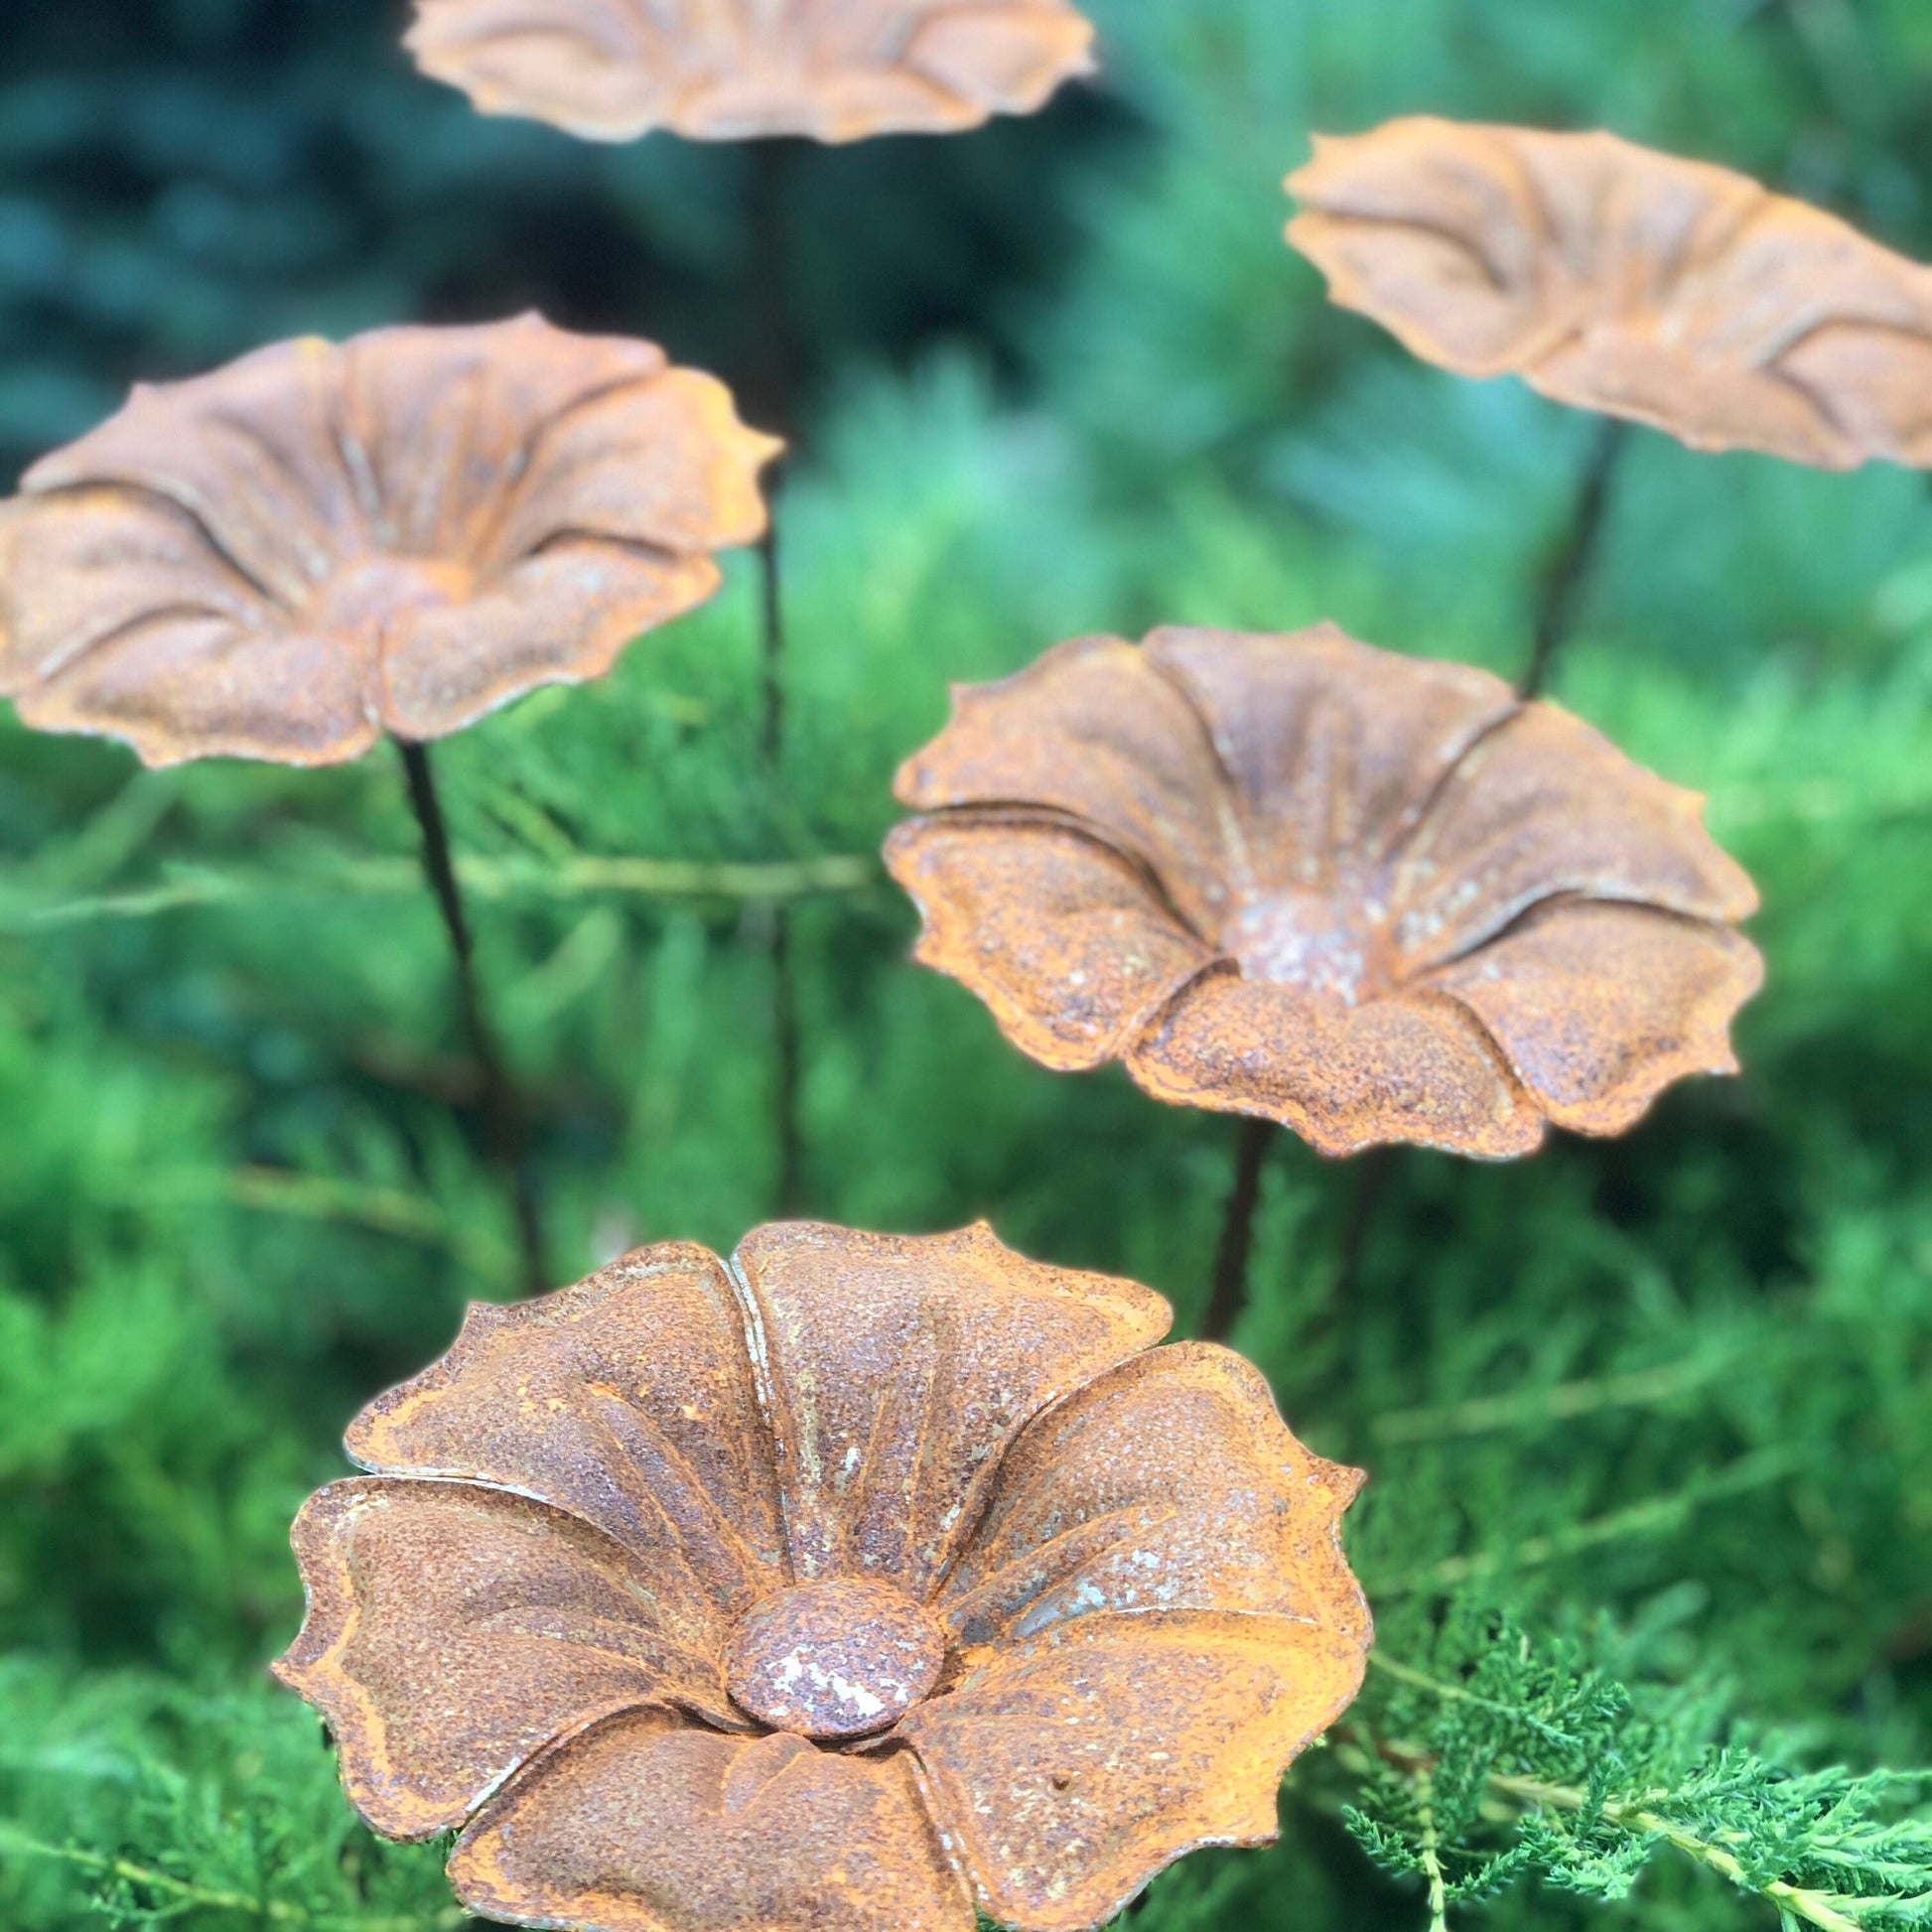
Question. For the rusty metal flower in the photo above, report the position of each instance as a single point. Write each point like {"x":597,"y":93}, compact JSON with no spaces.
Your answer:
{"x":318,"y":544}
{"x":833,"y":1589}
{"x":1619,"y":279}
{"x":834,"y":69}
{"x":1369,"y":897}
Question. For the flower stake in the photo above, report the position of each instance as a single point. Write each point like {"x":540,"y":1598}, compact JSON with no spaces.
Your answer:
{"x":322,"y":545}
{"x":1370,"y":897}
{"x":1611,"y":277}
{"x":828,"y":71}
{"x":843,"y":1588}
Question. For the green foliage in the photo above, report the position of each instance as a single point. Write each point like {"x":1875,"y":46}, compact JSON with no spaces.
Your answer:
{"x":1665,"y":1398}
{"x":142,"y":1804}
{"x":1494,"y":1762}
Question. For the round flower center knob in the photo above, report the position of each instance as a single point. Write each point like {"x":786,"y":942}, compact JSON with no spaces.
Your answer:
{"x":833,"y":1659}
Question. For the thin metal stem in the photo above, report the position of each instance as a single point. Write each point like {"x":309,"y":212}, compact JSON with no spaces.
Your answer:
{"x":502,"y":1110}
{"x":775,"y":380}
{"x":1568,"y":576}
{"x":771,"y":617}
{"x":1228,"y":1294}
{"x":784,"y":979}
{"x":1374,"y":1170}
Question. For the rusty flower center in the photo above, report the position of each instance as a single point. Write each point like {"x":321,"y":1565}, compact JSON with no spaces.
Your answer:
{"x":834,"y":1660}
{"x":1308,"y":940}
{"x":365,"y":598}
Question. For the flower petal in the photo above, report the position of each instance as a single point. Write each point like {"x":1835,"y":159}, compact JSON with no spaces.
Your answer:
{"x":1600,"y":1007}
{"x":593,"y":68}
{"x":626,"y":1400}
{"x":1334,"y":747}
{"x":898,"y":1369}
{"x":441,"y":427}
{"x":452,"y":1631}
{"x":1414,"y":1067}
{"x":1069,"y":1772}
{"x":100,"y":562}
{"x":190,"y":687}
{"x":120,"y":619}
{"x":646,"y":1824}
{"x":1005,"y":57}
{"x":249,"y":450}
{"x":560,"y":617}
{"x":664,"y":463}
{"x":1067,"y":943}
{"x":1543,"y":806}
{"x":1093,"y":730}
{"x":1171,"y":1482}
{"x":840,"y":104}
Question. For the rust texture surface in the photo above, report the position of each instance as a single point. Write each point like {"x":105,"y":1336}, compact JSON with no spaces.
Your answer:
{"x":839,"y":1587}
{"x":733,"y":70}
{"x":1370,"y":897}
{"x":1619,"y":279}
{"x":321,"y":543}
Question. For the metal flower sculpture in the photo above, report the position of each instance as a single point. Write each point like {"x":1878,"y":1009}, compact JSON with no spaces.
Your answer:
{"x":1619,"y":279}
{"x":1369,"y":897}
{"x":728,"y":70}
{"x":319,"y":544}
{"x":845,"y":1585}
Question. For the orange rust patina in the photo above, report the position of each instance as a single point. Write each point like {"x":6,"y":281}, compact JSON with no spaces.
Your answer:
{"x":319,"y":544}
{"x":1619,"y":279}
{"x":731,"y":69}
{"x":1370,"y":897}
{"x":834,"y":1589}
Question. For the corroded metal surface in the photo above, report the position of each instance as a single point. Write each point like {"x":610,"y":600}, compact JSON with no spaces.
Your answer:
{"x":895,"y":1371}
{"x":1071,"y":1770}
{"x":318,"y":544}
{"x":1619,"y":279}
{"x":649,"y":1825}
{"x":834,"y":1589}
{"x":728,"y":70}
{"x":1370,"y":897}
{"x":837,"y":1659}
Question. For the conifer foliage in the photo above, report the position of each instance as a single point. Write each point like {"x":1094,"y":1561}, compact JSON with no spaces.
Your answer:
{"x":1647,"y":1420}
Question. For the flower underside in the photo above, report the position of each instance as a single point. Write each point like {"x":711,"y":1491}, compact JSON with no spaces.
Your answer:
{"x":833,"y":70}
{"x":1615,"y":278}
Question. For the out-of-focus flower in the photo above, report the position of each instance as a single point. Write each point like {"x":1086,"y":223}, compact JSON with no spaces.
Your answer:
{"x":1370,"y":897}
{"x":729,"y":70}
{"x":846,"y":1586}
{"x":1619,"y":279}
{"x":319,"y":544}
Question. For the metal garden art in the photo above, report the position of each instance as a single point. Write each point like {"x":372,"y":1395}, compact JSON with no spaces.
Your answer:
{"x":1367,"y":896}
{"x":737,"y":69}
{"x":867,"y":1581}
{"x":321,"y":547}
{"x":763,"y":72}
{"x":1615,"y":278}
{"x":844,"y":1586}
{"x":1651,"y":288}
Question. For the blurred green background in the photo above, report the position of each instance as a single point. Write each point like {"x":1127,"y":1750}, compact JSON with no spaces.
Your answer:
{"x":1059,"y":375}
